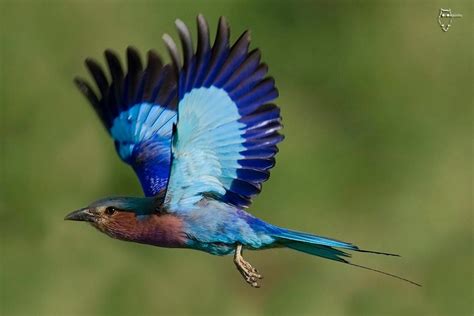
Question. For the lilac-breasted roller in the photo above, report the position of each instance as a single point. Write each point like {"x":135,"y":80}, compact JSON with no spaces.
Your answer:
{"x":201,"y":134}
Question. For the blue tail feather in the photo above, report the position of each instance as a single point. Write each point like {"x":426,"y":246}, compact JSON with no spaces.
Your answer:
{"x":318,"y":250}
{"x":292,"y":235}
{"x":326,"y":248}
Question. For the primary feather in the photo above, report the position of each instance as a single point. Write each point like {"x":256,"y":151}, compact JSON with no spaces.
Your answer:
{"x":226,"y":132}
{"x":138,"y":110}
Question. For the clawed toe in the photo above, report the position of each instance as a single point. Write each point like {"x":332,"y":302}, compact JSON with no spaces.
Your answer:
{"x":251,"y":278}
{"x":249,"y":273}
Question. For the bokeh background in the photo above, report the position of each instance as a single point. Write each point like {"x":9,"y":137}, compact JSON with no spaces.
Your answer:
{"x":377,"y":105}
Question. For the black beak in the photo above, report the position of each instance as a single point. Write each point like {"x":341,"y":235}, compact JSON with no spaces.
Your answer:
{"x":83,"y":215}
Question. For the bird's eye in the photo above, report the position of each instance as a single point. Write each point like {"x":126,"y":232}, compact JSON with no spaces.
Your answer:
{"x":110,"y":210}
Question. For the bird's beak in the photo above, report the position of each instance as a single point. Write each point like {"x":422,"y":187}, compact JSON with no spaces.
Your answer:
{"x":84,"y":215}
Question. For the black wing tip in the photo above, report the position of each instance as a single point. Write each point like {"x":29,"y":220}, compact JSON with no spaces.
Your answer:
{"x":255,"y":53}
{"x":92,"y":64}
{"x":277,"y":92}
{"x":110,"y":52}
{"x":132,"y":50}
{"x":79,"y":81}
{"x":134,"y":60}
{"x":83,"y":86}
{"x":89,"y":60}
{"x":154,"y":60}
{"x":269,"y":79}
{"x":112,"y":59}
{"x":112,"y":77}
{"x":153,"y":53}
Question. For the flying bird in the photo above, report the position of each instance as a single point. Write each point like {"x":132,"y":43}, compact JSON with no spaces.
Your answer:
{"x":201,"y":133}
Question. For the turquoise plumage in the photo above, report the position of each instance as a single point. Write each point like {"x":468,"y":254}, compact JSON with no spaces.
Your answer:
{"x":201,"y":133}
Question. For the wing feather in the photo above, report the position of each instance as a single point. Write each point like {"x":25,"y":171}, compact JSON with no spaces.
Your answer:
{"x":138,"y":108}
{"x":227,"y":132}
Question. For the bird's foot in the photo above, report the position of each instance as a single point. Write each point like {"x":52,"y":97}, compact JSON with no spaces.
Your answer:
{"x":249,"y":273}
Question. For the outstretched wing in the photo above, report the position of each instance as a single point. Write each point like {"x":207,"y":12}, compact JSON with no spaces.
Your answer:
{"x":138,"y":109}
{"x":226,"y":135}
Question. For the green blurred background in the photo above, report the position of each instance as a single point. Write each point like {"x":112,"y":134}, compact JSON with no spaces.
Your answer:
{"x":377,"y":106}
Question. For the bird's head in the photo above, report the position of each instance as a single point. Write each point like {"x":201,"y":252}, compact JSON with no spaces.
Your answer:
{"x":115,"y":216}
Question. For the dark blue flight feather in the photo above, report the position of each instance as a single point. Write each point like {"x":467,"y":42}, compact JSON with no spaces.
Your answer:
{"x":224,"y":118}
{"x":138,"y":109}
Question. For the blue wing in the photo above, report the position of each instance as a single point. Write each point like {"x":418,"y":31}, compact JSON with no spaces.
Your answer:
{"x":227,"y":132}
{"x":138,"y":110}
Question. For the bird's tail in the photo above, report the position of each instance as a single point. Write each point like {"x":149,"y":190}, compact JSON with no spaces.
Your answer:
{"x":326,"y":248}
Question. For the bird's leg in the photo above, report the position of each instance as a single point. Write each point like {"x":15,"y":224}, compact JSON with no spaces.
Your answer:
{"x":249,"y":273}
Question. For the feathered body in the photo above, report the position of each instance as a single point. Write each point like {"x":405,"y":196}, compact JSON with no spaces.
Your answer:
{"x":201,"y":135}
{"x":213,"y":227}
